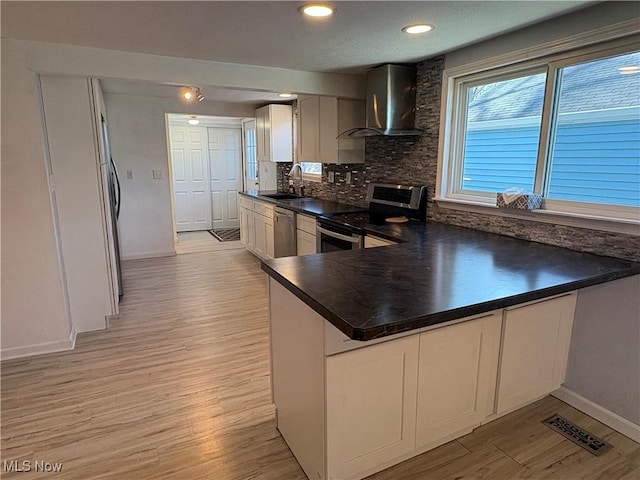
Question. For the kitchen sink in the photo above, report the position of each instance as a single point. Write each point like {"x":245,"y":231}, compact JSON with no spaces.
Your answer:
{"x":284,"y":196}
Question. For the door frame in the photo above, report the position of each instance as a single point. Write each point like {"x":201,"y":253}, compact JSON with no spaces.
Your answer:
{"x":207,"y":120}
{"x":245,"y":185}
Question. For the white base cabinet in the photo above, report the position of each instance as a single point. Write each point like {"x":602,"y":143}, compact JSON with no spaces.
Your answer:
{"x":256,"y":227}
{"x":371,"y":406}
{"x":305,"y":235}
{"x":457,"y":379}
{"x":374,"y":404}
{"x":535,"y":348}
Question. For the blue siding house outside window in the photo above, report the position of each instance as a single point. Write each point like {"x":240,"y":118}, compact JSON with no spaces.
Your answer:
{"x":594,"y":147}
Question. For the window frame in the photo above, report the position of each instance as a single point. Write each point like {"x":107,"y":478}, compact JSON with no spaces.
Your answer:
{"x":456,"y":81}
{"x":313,"y":177}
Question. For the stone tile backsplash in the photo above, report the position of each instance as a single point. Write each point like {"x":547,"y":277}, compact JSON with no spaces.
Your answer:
{"x":413,"y":160}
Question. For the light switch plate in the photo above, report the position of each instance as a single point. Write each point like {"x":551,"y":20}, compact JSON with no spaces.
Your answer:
{"x":157,"y":174}
{"x":331,"y":177}
{"x":347,"y":178}
{"x":129,"y":174}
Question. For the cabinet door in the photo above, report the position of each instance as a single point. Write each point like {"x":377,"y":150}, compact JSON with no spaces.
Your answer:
{"x":261,"y":239}
{"x":535,"y":346}
{"x":308,"y":127}
{"x":328,"y":118}
{"x":351,"y":114}
{"x":371,"y":406}
{"x":457,"y":378}
{"x":243,"y":225}
{"x":306,"y":243}
{"x":269,"y":250}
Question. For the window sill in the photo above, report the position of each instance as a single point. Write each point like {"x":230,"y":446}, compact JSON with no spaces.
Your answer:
{"x":625,"y":226}
{"x":312,"y":177}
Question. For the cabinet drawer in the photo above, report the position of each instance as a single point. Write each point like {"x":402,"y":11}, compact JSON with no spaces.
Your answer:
{"x":246,"y":203}
{"x":306,"y":224}
{"x":263,"y":209}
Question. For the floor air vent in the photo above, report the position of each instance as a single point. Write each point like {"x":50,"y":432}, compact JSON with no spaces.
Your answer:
{"x":577,"y":435}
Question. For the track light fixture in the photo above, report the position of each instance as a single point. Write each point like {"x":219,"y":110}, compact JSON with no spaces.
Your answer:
{"x":189,"y":94}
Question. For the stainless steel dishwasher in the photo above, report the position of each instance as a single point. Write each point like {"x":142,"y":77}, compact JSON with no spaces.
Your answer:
{"x":284,"y":231}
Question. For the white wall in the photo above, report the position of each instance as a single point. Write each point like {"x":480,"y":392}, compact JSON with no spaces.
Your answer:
{"x":139,"y":143}
{"x":34,"y":314}
{"x":598,"y":16}
{"x":73,"y":151}
{"x":604,"y":359}
{"x":35,"y":309}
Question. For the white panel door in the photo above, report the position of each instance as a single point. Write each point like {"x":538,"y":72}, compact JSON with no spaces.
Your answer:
{"x":190,"y":165}
{"x":225,"y":180}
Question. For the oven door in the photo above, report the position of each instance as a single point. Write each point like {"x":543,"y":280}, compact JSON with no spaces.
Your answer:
{"x":335,"y":239}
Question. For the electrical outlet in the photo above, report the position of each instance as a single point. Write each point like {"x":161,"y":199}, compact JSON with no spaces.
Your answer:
{"x":157,"y":174}
{"x":347,"y":178}
{"x":331,"y":177}
{"x":129,"y":175}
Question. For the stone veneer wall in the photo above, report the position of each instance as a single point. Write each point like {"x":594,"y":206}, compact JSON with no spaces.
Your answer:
{"x":413,"y":160}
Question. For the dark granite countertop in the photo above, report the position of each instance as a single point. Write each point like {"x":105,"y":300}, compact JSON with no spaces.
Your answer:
{"x":306,"y":205}
{"x":441,"y":273}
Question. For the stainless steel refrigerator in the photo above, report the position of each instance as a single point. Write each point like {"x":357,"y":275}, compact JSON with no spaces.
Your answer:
{"x":113,"y":188}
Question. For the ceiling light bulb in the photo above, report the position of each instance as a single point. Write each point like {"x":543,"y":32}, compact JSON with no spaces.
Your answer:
{"x":199,"y":96}
{"x":317,"y":9}
{"x":629,"y":69}
{"x":187,"y":95}
{"x":415,"y":29}
{"x":285,"y":95}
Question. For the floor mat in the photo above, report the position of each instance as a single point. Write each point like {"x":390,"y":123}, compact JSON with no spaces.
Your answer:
{"x":577,"y":435}
{"x":226,"y":234}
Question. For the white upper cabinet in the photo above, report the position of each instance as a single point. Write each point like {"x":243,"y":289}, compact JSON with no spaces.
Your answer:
{"x":321,"y":119}
{"x":274,"y":133}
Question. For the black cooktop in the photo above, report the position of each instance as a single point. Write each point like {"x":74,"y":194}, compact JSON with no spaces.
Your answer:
{"x":358,"y":222}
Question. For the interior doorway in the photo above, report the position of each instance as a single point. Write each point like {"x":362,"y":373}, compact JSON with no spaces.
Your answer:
{"x":206,"y":171}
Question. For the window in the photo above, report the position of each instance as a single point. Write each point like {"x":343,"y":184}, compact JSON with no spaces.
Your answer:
{"x":567,"y":127}
{"x":250,"y":152}
{"x":311,"y":170}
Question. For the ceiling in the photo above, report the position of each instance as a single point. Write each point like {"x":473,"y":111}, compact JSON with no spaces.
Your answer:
{"x":360,"y":34}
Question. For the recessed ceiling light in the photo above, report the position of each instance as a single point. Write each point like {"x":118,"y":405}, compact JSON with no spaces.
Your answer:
{"x":193,"y":120}
{"x":419,"y":28}
{"x":317,"y":9}
{"x":628,"y":70}
{"x":285,"y":95}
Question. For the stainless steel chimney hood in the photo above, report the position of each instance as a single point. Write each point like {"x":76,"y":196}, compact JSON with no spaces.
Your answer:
{"x":391,"y":103}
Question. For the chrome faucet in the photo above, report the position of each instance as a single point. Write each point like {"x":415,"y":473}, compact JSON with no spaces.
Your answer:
{"x":291,"y":174}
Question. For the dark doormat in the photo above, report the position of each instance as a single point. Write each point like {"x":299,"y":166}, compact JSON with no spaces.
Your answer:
{"x":226,"y":234}
{"x":577,"y":435}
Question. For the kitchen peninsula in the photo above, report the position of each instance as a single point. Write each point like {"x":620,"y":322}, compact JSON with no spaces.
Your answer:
{"x":381,"y":354}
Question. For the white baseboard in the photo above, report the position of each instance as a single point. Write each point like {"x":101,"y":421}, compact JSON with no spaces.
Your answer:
{"x":140,"y":256}
{"x":613,"y":420}
{"x":40,"y":348}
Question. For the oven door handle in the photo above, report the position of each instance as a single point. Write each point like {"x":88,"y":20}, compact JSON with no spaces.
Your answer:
{"x":339,"y":236}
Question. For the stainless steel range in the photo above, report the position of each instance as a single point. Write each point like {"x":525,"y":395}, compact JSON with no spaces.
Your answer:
{"x":387,"y":204}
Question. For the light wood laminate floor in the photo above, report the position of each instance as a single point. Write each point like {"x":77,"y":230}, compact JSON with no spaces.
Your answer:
{"x":178,"y":387}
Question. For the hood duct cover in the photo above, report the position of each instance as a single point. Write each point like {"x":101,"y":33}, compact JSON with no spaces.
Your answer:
{"x":391,"y":103}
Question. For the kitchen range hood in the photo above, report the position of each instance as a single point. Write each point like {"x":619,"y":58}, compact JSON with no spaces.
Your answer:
{"x":391,"y":103}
